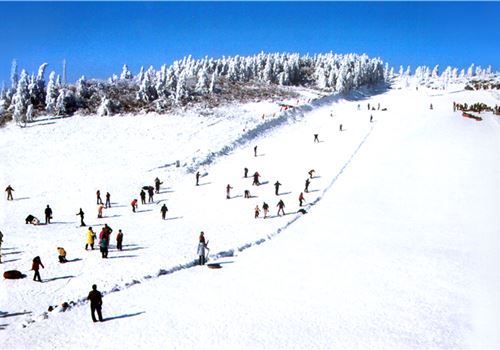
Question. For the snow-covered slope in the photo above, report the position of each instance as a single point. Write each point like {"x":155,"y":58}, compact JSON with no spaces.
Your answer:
{"x":398,"y":249}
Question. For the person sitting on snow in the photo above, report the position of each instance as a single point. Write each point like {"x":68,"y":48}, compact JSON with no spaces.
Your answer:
{"x":62,"y":255}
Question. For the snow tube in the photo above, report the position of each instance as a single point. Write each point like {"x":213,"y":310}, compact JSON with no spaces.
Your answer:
{"x":13,"y":275}
{"x":214,"y":266}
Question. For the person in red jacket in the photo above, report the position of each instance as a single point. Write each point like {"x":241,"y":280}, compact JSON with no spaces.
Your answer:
{"x":134,"y":205}
{"x":301,"y":198}
{"x":37,"y":262}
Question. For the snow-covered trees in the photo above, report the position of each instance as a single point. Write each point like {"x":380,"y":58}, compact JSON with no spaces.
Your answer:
{"x":52,"y":93}
{"x":13,"y":75}
{"x":126,"y":75}
{"x":21,"y":99}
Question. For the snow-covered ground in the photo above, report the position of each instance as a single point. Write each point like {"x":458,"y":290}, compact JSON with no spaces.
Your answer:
{"x":399,"y":248}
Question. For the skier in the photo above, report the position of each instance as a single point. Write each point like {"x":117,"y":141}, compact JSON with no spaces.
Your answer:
{"x":82,"y":214}
{"x":247,"y":194}
{"x":276,"y":187}
{"x":265,"y":207}
{"x":371,"y":118}
{"x":246,"y":172}
{"x":256,"y":181}
{"x":119,"y":240}
{"x":134,"y":205}
{"x":62,"y":255}
{"x":143,"y":197}
{"x":340,"y":127}
{"x":316,"y":139}
{"x":202,"y":246}
{"x":255,"y":151}
{"x":37,"y":262}
{"x":197,"y":178}
{"x":104,"y":240}
{"x":163,"y":210}
{"x":301,"y":199}
{"x":150,"y":194}
{"x":98,"y":194}
{"x":100,"y":208}
{"x":90,"y":239}
{"x":108,"y":200}
{"x":311,"y":173}
{"x":306,"y":190}
{"x":95,"y":298}
{"x":431,"y":106}
{"x":9,"y":191}
{"x":257,"y":211}
{"x":157,"y":185}
{"x":48,"y":214}
{"x":228,"y":190}
{"x":281,"y":206}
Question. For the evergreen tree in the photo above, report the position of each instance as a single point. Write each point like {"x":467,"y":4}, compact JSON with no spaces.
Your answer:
{"x":21,"y":99}
{"x":126,"y":75}
{"x":13,"y":75}
{"x":52,"y":94}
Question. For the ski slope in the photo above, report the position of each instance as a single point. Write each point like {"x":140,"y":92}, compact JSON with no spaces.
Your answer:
{"x":399,"y":248}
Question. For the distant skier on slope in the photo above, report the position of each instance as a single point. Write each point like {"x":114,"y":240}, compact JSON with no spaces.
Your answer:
{"x":134,"y":205}
{"x":37,"y":262}
{"x":281,"y":207}
{"x":100,"y":208}
{"x":277,"y":187}
{"x":306,"y":189}
{"x":82,"y":214}
{"x":150,"y":194}
{"x":256,"y":181}
{"x":91,"y":236}
{"x":48,"y":214}
{"x":98,"y":195}
{"x":157,"y":185}
{"x":143,"y":197}
{"x":119,"y":240}
{"x":197,"y":178}
{"x":95,"y":298}
{"x":301,"y":199}
{"x":163,"y":211}
{"x":228,"y":191}
{"x":62,"y":255}
{"x":108,"y":200}
{"x":202,"y":246}
{"x":9,"y":191}
{"x":265,"y":207}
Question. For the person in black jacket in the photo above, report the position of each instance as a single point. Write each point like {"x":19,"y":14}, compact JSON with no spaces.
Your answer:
{"x":143,"y":197}
{"x":82,"y":214}
{"x":164,"y":210}
{"x":48,"y":214}
{"x":277,"y":188}
{"x":95,"y":298}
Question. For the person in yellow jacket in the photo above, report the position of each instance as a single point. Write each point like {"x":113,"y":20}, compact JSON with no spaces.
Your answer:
{"x":62,"y":255}
{"x":90,"y":239}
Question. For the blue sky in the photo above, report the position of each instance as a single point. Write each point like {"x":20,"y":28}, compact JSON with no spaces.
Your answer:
{"x":97,"y":38}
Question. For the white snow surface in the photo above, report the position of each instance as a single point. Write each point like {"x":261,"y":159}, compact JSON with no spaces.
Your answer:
{"x":399,"y":247}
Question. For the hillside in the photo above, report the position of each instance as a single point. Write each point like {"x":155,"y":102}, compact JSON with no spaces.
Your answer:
{"x":398,"y":248}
